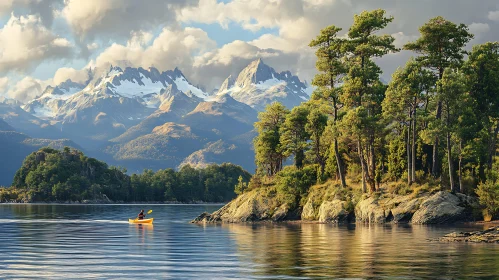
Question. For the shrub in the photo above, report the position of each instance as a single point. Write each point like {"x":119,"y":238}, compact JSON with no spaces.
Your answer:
{"x":488,"y":195}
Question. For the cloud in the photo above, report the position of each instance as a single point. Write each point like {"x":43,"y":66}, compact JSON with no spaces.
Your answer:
{"x":139,"y":39}
{"x":493,"y":15}
{"x":25,"y":43}
{"x":211,"y":68}
{"x":251,"y":14}
{"x":92,"y":46}
{"x":65,"y":73}
{"x":28,"y":89}
{"x":45,"y":9}
{"x":116,"y":18}
{"x":479,"y":28}
{"x":170,"y":49}
{"x":4,"y":83}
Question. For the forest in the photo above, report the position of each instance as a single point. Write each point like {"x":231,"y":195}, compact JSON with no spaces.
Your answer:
{"x":51,"y":175}
{"x":435,"y":123}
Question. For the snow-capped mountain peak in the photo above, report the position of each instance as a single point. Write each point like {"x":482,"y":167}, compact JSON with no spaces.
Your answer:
{"x":259,"y":84}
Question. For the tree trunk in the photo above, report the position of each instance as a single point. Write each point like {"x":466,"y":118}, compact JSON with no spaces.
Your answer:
{"x":339,"y":162}
{"x":435,"y":168}
{"x":449,"y":153}
{"x":372,"y":176}
{"x":414,"y":141}
{"x":363,"y":165}
{"x":408,"y":145}
{"x":449,"y":158}
{"x":461,"y":186}
{"x":492,"y":147}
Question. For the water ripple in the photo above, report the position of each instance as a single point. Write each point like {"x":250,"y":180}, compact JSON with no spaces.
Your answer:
{"x":95,"y":241}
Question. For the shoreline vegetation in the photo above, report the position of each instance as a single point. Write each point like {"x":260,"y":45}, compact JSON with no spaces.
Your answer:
{"x":49,"y":175}
{"x":421,"y":150}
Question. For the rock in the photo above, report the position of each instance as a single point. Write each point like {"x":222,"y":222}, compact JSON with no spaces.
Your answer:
{"x":444,"y":207}
{"x":308,"y":213}
{"x":255,"y":205}
{"x":204,"y":217}
{"x":490,"y":235}
{"x":281,"y":213}
{"x":333,"y":212}
{"x":369,"y":211}
{"x":405,"y":209}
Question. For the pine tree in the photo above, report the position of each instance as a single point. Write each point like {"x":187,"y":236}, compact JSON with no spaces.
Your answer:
{"x":363,"y":90}
{"x":330,"y":63}
{"x":441,"y":45}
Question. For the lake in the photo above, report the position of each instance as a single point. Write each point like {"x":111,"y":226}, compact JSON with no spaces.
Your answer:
{"x":96,"y":241}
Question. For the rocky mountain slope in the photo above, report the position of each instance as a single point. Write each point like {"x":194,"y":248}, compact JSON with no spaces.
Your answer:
{"x":143,"y":118}
{"x":258,"y":85}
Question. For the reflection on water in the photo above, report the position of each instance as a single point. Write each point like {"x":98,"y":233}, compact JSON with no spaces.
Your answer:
{"x":85,"y":241}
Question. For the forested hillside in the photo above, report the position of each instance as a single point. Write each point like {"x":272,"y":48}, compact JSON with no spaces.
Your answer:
{"x":69,"y":175}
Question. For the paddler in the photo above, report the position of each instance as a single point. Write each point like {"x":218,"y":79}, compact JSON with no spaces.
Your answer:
{"x":141,"y":215}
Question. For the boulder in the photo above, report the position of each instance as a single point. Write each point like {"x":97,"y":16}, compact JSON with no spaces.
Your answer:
{"x":308,"y":213}
{"x":404,"y":209}
{"x":252,"y":206}
{"x":333,"y":212}
{"x":370,"y":211}
{"x":444,"y":207}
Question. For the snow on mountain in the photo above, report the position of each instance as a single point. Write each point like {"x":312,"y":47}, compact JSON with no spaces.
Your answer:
{"x":52,"y":98}
{"x":259,"y":84}
{"x":144,"y":86}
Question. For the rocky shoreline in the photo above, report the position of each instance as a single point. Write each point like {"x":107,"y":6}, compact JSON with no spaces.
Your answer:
{"x":490,"y":235}
{"x":261,"y":205}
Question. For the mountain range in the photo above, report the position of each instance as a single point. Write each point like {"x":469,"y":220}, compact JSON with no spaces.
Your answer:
{"x":143,"y":118}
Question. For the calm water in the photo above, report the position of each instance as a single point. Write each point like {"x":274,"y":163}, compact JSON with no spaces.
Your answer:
{"x":95,"y":241}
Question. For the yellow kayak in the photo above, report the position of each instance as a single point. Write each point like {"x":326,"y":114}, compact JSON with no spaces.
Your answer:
{"x":137,"y":221}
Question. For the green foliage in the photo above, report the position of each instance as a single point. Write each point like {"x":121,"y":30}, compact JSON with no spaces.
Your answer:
{"x":68,"y":175}
{"x":294,"y":135}
{"x":269,"y":153}
{"x":440,"y":44}
{"x":293,"y":183}
{"x":488,"y":193}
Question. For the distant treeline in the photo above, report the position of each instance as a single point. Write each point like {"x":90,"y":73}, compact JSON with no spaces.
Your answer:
{"x":69,"y":175}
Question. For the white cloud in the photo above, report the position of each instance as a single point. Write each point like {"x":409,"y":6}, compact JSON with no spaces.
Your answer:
{"x":25,"y":43}
{"x":139,"y":39}
{"x":112,"y":18}
{"x":65,"y":73}
{"x":92,"y":46}
{"x":170,"y":49}
{"x":27,"y":89}
{"x":479,"y":28}
{"x":493,"y":15}
{"x":4,"y":83}
{"x":401,"y":39}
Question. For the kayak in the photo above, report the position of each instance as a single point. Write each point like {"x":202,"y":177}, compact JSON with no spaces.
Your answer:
{"x":144,"y":221}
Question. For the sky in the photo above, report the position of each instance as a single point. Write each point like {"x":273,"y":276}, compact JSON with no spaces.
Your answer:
{"x":45,"y":42}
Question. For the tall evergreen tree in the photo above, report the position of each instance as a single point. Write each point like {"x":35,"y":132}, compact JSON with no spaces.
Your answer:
{"x":482,"y":75}
{"x":294,"y":136}
{"x":406,"y":93}
{"x":330,"y":55}
{"x":363,"y":91}
{"x":269,"y":151}
{"x":441,"y":45}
